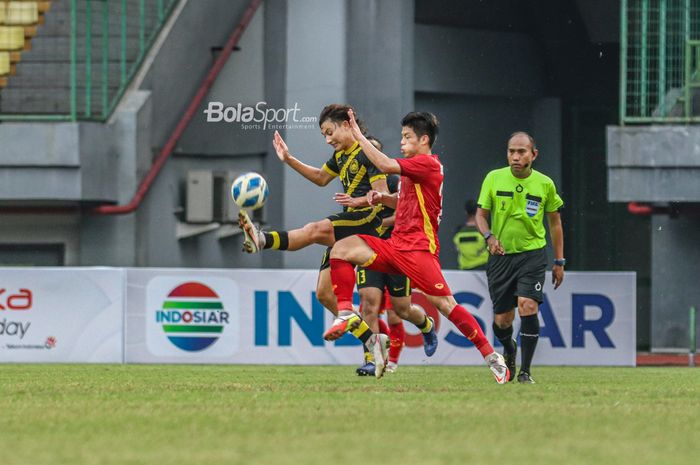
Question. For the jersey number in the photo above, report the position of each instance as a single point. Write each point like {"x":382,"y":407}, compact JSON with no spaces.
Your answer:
{"x":361,"y":277}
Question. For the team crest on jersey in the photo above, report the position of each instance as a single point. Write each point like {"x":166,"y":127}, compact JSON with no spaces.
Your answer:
{"x":533,"y":206}
{"x":354,"y":167}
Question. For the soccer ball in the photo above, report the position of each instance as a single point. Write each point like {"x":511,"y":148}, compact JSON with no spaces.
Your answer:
{"x":249,"y":190}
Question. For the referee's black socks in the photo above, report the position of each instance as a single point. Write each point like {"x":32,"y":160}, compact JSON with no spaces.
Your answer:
{"x":529,"y":334}
{"x":505,"y":336}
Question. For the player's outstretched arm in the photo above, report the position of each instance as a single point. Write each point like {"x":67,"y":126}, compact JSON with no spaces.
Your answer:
{"x":315,"y":175}
{"x":557,"y":234}
{"x":378,"y":159}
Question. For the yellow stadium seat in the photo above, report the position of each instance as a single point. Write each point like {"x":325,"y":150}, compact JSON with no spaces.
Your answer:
{"x":3,"y":6}
{"x":4,"y":63}
{"x":44,"y":6}
{"x":22,"y":13}
{"x":11,"y":37}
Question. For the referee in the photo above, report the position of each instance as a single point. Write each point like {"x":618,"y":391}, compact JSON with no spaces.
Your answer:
{"x":516,"y":198}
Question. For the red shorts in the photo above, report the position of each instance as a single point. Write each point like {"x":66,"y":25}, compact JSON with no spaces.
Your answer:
{"x":422,"y":267}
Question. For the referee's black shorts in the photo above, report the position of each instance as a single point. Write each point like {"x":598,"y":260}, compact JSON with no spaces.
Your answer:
{"x":516,"y":275}
{"x":350,"y":223}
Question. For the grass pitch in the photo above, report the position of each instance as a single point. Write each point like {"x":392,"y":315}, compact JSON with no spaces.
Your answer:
{"x":126,"y":414}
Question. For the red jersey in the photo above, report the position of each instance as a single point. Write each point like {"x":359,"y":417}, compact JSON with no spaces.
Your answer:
{"x":419,"y":208}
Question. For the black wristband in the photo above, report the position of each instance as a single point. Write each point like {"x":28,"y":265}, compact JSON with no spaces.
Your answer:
{"x":487,"y":235}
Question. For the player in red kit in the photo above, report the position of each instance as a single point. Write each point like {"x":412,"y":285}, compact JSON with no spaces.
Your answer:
{"x":413,"y":248}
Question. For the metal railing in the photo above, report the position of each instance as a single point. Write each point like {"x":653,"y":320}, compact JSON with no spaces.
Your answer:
{"x":80,"y":68}
{"x":658,"y":64}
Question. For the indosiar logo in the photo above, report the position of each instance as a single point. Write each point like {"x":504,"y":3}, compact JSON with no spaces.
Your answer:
{"x":192,"y":316}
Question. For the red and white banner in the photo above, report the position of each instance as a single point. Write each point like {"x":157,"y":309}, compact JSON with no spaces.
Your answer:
{"x":61,"y":315}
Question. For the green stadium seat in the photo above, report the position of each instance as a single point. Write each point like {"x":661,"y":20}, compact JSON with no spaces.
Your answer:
{"x":11,"y":37}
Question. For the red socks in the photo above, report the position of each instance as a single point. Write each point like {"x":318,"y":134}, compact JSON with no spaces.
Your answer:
{"x":397,"y":335}
{"x":343,"y":277}
{"x":467,"y":325}
{"x":383,"y":327}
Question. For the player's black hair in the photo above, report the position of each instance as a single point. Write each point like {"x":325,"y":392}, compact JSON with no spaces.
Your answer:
{"x":470,"y":207}
{"x":376,"y":142}
{"x":423,"y":123}
{"x":338,"y":113}
{"x":529,"y":137}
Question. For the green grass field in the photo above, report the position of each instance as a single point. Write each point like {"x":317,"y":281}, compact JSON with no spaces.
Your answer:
{"x":126,"y":414}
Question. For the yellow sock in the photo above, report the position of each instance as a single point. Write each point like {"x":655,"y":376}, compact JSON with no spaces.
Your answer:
{"x":427,"y":326}
{"x":362,"y":332}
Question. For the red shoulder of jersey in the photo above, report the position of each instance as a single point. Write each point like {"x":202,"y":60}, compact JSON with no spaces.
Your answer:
{"x":419,"y":166}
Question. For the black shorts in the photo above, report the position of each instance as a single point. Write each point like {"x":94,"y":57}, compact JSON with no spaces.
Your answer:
{"x":398,"y":285}
{"x":516,"y":275}
{"x":347,"y":224}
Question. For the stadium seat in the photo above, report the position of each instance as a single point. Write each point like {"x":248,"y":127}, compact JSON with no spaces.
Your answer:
{"x":3,"y":9}
{"x":44,"y":6}
{"x":4,"y":63}
{"x":11,"y":37}
{"x":22,"y":13}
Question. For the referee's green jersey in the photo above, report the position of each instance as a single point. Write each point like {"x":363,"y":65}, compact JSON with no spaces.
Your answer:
{"x":517,"y":207}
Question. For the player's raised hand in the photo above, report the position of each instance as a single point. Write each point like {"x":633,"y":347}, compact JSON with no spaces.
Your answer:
{"x":354,"y":127}
{"x":280,"y":147}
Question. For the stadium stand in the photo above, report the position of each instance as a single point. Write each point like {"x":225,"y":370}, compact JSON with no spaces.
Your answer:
{"x":4,"y":63}
{"x":42,"y":82}
{"x":18,"y":24}
{"x":22,"y":14}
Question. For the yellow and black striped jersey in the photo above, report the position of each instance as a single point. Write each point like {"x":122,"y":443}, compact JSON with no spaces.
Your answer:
{"x":355,"y":171}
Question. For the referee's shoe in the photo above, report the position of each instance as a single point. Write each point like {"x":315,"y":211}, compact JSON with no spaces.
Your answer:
{"x":525,"y":378}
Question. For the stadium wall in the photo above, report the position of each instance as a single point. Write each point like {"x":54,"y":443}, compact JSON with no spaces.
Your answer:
{"x":310,"y":53}
{"x":480,"y":102}
{"x":660,"y":165}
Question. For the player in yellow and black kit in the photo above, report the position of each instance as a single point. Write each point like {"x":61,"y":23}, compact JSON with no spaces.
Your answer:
{"x":517,"y":198}
{"x":358,"y":176}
